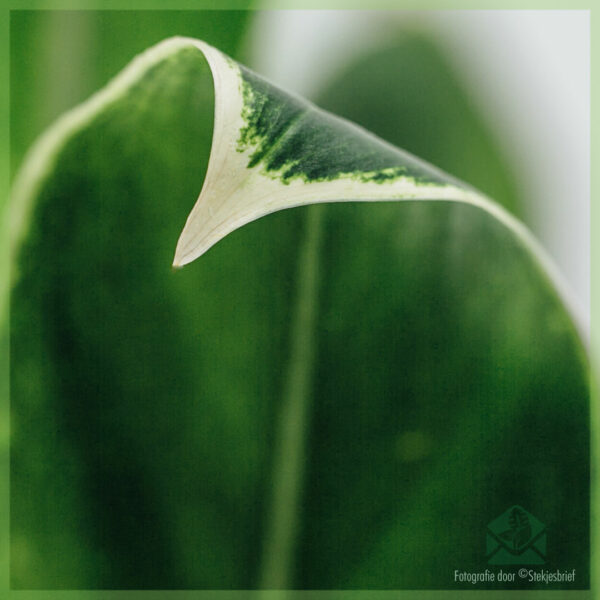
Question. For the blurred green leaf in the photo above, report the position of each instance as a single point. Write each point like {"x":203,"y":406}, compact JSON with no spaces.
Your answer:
{"x":411,"y":96}
{"x":440,"y":377}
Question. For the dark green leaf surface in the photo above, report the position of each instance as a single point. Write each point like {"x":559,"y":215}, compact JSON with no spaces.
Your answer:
{"x":410,"y":95}
{"x":447,"y":382}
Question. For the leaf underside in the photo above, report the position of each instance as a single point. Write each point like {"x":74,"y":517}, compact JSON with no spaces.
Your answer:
{"x":444,"y":378}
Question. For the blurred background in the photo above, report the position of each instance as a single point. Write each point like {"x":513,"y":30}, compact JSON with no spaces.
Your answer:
{"x":158,"y":406}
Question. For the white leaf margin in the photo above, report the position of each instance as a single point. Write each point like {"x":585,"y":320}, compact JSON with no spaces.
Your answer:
{"x":233,"y":194}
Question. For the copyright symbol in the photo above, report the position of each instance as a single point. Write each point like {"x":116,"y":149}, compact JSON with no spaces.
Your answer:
{"x":523,"y":573}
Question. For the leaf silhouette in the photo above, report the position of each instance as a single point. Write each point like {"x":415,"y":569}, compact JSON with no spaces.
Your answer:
{"x":508,"y":535}
{"x":518,"y":518}
{"x":520,"y":526}
{"x":522,"y":536}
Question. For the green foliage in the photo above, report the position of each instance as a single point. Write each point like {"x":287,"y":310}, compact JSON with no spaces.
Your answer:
{"x":59,"y":58}
{"x":410,"y":95}
{"x":443,"y":380}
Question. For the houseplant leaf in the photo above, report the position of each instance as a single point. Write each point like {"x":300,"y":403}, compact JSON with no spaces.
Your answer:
{"x":426,"y":109}
{"x":323,"y":400}
{"x":60,"y":58}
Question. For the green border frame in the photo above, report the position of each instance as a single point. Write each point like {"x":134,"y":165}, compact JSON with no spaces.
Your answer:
{"x":4,"y":354}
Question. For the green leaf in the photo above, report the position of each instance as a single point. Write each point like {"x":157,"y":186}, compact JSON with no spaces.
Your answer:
{"x":323,"y":400}
{"x":62,"y":57}
{"x":425,"y":109}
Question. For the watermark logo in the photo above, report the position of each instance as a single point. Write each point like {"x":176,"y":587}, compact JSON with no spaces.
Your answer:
{"x":516,"y":537}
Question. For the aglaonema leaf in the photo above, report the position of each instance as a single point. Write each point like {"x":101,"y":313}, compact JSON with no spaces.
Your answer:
{"x":426,"y":109}
{"x":321,"y":401}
